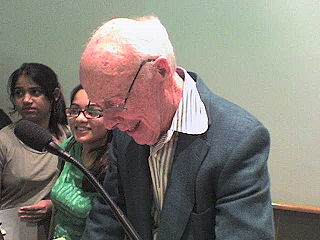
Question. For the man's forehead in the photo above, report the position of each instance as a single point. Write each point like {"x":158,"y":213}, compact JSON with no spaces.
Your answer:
{"x":102,"y":60}
{"x":108,"y":85}
{"x":107,"y":58}
{"x":106,"y":68}
{"x":98,"y":67}
{"x":101,"y":86}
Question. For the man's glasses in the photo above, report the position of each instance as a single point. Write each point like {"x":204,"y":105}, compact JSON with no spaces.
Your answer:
{"x":122,"y":106}
{"x":90,"y":112}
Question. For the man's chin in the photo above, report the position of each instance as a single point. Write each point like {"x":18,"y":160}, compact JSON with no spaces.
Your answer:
{"x":143,"y":135}
{"x":142,"y":140}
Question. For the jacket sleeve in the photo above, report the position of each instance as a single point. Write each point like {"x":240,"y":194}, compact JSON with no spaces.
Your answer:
{"x":101,"y":223}
{"x":243,"y":205}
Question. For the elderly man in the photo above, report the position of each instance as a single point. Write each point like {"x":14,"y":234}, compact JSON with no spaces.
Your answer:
{"x":188,"y":163}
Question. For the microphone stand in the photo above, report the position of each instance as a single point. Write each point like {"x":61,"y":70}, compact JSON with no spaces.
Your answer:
{"x":1,"y":234}
{"x":128,"y":228}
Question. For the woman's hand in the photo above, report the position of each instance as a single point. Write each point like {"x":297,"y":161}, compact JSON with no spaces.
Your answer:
{"x":36,"y":212}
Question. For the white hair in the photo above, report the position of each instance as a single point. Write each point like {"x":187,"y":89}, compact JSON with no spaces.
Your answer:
{"x":142,"y":38}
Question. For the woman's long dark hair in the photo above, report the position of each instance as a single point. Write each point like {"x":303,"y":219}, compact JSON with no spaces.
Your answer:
{"x":100,"y":165}
{"x":46,"y":78}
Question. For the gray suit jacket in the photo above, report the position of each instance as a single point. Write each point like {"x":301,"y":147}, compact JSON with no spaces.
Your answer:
{"x":219,"y":185}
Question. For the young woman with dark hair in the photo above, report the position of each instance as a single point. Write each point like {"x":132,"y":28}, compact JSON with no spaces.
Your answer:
{"x":72,"y":193}
{"x":48,"y":87}
{"x":26,"y":175}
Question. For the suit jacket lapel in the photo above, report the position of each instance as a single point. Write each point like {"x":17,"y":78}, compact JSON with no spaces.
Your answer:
{"x":179,"y":199}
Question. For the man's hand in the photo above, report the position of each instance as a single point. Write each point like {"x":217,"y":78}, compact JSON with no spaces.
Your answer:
{"x":36,"y":212}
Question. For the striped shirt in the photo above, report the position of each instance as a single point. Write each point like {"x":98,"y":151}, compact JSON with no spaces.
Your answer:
{"x":190,"y":118}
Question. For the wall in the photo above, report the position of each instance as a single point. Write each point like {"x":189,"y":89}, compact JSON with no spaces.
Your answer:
{"x":263,"y":55}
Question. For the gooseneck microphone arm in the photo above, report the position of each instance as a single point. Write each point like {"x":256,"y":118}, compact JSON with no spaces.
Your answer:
{"x":53,"y":148}
{"x":39,"y":139}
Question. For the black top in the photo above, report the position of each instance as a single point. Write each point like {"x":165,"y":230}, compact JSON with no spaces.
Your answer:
{"x":4,"y":119}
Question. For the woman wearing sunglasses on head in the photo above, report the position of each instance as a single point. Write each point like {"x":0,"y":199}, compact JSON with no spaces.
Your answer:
{"x":72,"y":194}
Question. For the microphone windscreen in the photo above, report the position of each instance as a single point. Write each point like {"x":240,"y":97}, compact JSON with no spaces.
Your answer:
{"x":32,"y":135}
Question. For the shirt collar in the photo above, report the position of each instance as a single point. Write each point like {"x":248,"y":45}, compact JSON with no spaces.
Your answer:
{"x":191,"y":116}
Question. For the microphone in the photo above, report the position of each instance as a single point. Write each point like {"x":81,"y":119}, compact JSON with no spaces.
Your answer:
{"x":39,"y":139}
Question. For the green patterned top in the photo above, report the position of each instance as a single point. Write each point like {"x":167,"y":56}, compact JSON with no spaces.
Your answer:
{"x":71,"y":203}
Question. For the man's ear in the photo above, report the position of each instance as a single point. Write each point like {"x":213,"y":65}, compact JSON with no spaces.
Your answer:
{"x":163,"y":67}
{"x":56,"y":94}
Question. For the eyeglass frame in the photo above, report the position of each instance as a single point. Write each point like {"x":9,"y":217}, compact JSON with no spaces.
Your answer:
{"x":122,"y":107}
{"x":84,"y":112}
